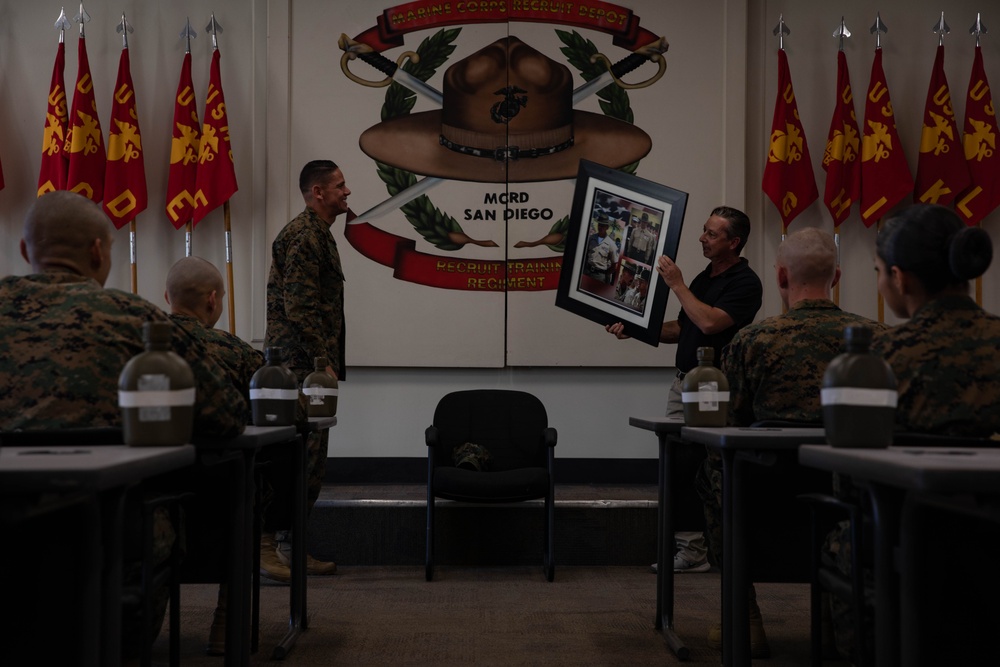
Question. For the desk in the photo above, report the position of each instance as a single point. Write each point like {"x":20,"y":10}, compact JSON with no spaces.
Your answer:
{"x":242,"y":588}
{"x":668,"y":434}
{"x":898,"y":480}
{"x":736,"y":445}
{"x":99,"y":473}
{"x":298,"y":619}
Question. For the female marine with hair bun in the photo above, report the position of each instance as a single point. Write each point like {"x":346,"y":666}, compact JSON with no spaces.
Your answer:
{"x":947,"y":356}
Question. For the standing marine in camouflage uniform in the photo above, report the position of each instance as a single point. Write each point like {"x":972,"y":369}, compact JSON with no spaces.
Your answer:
{"x":64,"y":340}
{"x":305,"y":317}
{"x":946,"y":358}
{"x":195,"y":293}
{"x":775,"y":367}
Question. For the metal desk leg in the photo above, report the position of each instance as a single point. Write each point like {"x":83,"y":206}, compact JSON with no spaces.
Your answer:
{"x":112,"y":529}
{"x":297,"y":594}
{"x":734,"y":632}
{"x":237,"y":578}
{"x":885,"y":514}
{"x":736,"y":560}
{"x":664,"y":551}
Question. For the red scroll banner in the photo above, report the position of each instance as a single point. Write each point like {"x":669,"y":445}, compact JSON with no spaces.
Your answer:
{"x":606,"y":17}
{"x":478,"y":275}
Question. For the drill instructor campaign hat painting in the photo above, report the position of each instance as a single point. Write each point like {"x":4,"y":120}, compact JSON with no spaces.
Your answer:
{"x":507,"y":116}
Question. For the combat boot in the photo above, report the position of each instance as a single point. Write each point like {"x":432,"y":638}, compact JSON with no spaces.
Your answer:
{"x":313,"y":566}
{"x":271,"y":565}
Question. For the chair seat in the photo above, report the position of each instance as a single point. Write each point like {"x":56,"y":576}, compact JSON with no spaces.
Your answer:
{"x":505,"y":486}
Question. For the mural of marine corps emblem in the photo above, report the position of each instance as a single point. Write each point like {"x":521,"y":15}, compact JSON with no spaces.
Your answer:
{"x":504,"y":110}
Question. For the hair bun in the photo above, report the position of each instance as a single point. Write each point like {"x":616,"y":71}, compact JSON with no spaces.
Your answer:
{"x":970,"y":251}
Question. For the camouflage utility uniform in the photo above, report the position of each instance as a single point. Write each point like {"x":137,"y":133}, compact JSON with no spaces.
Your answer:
{"x":946,"y":359}
{"x":305,"y":313}
{"x":775,"y":370}
{"x":64,"y":340}
{"x":232,"y":353}
{"x":775,"y":367}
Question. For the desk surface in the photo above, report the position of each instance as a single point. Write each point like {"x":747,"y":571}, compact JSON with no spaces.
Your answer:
{"x":745,"y":437}
{"x":72,"y":469}
{"x":659,"y":425}
{"x":940,"y":469}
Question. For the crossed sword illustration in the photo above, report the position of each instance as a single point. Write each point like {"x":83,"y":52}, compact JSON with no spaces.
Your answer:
{"x":394,"y":72}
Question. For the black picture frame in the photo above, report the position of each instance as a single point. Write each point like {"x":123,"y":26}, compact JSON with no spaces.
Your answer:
{"x":643,"y":220}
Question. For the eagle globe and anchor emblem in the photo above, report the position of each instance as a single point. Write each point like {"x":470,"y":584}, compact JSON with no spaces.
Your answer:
{"x":531,"y":134}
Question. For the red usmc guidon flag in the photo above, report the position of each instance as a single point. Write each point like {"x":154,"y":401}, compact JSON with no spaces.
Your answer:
{"x":841,"y":159}
{"x":183,"y":150}
{"x":941,"y":169}
{"x":85,"y":143}
{"x":885,"y":175}
{"x":125,"y":175}
{"x":216,"y":178}
{"x":980,"y":141}
{"x":52,"y":174}
{"x":788,"y":176}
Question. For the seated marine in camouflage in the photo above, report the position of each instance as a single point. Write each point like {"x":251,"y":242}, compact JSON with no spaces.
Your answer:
{"x":195,"y":294}
{"x":64,"y":340}
{"x":775,"y":369}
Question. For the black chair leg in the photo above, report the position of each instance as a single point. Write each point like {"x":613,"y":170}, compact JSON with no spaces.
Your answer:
{"x":550,"y":565}
{"x":429,"y":561}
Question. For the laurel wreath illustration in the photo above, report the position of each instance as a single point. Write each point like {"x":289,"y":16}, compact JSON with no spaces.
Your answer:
{"x":429,"y":221}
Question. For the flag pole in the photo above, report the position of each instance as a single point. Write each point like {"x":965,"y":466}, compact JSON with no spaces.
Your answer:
{"x":214,"y":28}
{"x":187,"y":33}
{"x":124,"y":28}
{"x":877,"y":29}
{"x":841,"y":33}
{"x":229,"y":267}
{"x":977,"y":29}
{"x":780,"y":31}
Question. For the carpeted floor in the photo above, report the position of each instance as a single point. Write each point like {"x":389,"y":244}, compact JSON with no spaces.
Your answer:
{"x":497,"y":616}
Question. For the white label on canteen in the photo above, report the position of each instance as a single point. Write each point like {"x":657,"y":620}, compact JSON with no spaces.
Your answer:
{"x":274,"y":394}
{"x":708,"y":397}
{"x":873,"y":398}
{"x":156,"y":399}
{"x":319,"y":391}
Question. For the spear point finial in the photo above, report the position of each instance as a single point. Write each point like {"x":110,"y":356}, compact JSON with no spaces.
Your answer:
{"x":978,"y":28}
{"x":842,"y":32}
{"x":213,"y":28}
{"x":188,"y":33}
{"x":82,"y":18}
{"x":780,"y":31}
{"x":941,"y":29}
{"x":878,"y":29}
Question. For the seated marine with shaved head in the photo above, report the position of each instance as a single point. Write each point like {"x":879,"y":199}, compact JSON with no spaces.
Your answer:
{"x":195,"y":293}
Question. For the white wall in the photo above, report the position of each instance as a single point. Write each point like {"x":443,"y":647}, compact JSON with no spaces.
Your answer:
{"x":383,"y":411}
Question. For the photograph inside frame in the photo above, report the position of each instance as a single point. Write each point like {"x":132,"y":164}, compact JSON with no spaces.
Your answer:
{"x":619,"y":225}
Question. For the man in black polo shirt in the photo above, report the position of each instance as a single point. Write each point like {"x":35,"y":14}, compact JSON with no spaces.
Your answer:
{"x":720,"y":301}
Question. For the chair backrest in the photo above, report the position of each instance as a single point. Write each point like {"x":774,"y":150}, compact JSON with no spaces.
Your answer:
{"x":509,"y":424}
